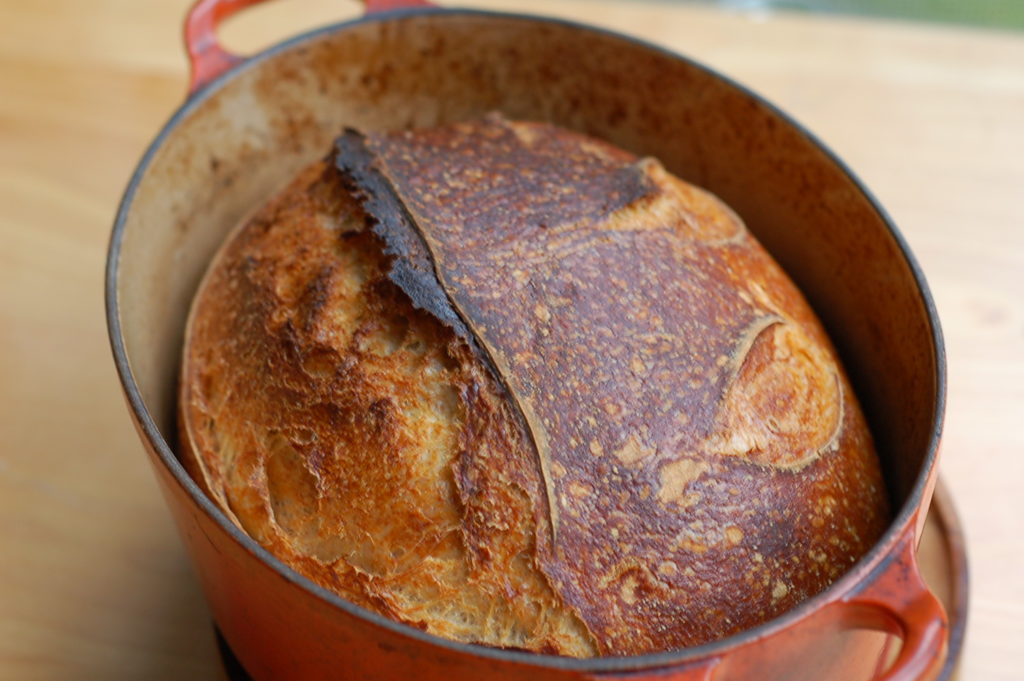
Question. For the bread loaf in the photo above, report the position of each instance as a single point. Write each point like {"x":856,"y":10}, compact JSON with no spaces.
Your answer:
{"x":514,"y":386}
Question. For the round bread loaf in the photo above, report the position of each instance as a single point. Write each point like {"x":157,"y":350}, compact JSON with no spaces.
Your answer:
{"x":514,"y":386}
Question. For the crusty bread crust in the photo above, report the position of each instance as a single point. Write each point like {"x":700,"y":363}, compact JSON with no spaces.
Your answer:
{"x":462,"y":479}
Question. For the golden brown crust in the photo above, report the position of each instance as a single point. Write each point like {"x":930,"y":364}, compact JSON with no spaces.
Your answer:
{"x":332,"y":420}
{"x":576,"y":408}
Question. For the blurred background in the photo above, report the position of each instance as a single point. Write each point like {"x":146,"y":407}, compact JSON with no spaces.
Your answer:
{"x":991,"y":13}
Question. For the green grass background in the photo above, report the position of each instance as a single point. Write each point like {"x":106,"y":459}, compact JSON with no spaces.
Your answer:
{"x":1004,"y":14}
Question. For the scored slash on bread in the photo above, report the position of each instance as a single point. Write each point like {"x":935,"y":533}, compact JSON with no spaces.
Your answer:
{"x":514,"y":386}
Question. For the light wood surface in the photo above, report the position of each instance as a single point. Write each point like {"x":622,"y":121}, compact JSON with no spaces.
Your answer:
{"x":93,"y":581}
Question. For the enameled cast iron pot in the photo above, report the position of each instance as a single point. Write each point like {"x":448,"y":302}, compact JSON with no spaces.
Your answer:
{"x":251,"y":124}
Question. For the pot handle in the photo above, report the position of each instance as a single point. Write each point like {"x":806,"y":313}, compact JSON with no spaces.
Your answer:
{"x":895,"y":599}
{"x":207,"y":59}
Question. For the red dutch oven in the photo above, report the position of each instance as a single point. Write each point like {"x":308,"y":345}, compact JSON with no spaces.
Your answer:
{"x":250,"y":124}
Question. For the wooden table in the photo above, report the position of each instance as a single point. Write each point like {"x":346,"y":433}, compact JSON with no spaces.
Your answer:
{"x":93,"y":581}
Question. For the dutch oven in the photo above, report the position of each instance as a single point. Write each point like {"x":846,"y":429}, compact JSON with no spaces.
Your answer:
{"x":251,"y":124}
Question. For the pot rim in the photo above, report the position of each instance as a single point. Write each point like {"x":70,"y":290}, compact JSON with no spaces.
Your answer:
{"x":868,"y":564}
